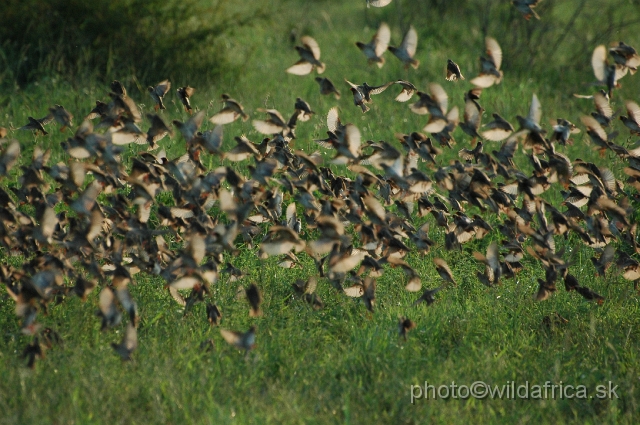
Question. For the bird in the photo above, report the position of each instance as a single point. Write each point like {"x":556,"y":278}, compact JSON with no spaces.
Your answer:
{"x":129,"y":343}
{"x":407,"y":49}
{"x":453,"y":71}
{"x":404,"y":326}
{"x":309,"y":58}
{"x":444,"y":271}
{"x":490,"y":72}
{"x":632,"y":122}
{"x":213,"y":314}
{"x":255,"y":299}
{"x":37,"y":125}
{"x":327,"y":87}
{"x":243,"y":340}
{"x":498,"y":129}
{"x":230,"y":112}
{"x":374,"y":49}
{"x":158,"y":92}
{"x":408,"y":90}
{"x":606,"y":74}
{"x":526,"y":8}
{"x":362,"y":93}
{"x":62,"y":116}
{"x":427,"y":296}
{"x":378,"y":3}
{"x":625,"y":55}
{"x":184,"y":94}
{"x":118,"y":88}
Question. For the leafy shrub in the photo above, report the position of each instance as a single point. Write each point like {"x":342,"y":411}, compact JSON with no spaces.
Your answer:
{"x":152,"y":39}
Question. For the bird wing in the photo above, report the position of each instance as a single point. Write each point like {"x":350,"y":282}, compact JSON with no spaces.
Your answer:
{"x":381,"y":39}
{"x":312,"y":45}
{"x":379,"y":89}
{"x":633,"y":110}
{"x":440,"y":96}
{"x":410,"y":41}
{"x":599,"y":62}
{"x":302,"y":67}
{"x":494,"y":51}
{"x":535,"y":112}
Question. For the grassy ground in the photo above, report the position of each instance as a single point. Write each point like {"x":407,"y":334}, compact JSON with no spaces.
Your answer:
{"x":340,"y":364}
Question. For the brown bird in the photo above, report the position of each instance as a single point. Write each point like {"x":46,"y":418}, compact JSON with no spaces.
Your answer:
{"x":184,"y":94}
{"x":378,"y":3}
{"x":407,"y":50}
{"x":242,"y":340}
{"x":37,"y":126}
{"x":129,"y":343}
{"x":62,"y":116}
{"x":404,"y":326}
{"x":498,"y":129}
{"x":369,"y":295}
{"x":362,"y":93}
{"x":255,"y":299}
{"x":427,"y":296}
{"x":158,"y":92}
{"x":453,"y":71}
{"x":490,"y":72}
{"x":632,"y":122}
{"x":157,"y":131}
{"x":213,"y":314}
{"x":408,"y":90}
{"x":118,"y":88}
{"x":230,"y":112}
{"x":526,"y":8}
{"x":625,"y":55}
{"x":444,"y":271}
{"x":374,"y":49}
{"x":327,"y":87}
{"x":309,"y":58}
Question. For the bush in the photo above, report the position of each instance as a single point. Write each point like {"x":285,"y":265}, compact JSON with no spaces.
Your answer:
{"x":151,"y":39}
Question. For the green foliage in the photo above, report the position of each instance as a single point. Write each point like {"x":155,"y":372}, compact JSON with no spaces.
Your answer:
{"x":153,"y":39}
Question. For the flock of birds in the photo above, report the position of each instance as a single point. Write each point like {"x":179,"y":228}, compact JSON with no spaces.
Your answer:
{"x":93,"y":223}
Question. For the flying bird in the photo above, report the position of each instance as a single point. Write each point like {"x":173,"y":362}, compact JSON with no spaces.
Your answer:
{"x":407,"y":49}
{"x":309,"y":58}
{"x":374,"y":49}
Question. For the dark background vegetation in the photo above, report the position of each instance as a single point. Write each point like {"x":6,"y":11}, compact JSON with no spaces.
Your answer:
{"x":158,"y":39}
{"x":152,"y":39}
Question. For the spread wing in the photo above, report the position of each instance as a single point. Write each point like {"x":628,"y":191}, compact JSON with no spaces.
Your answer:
{"x":381,"y":39}
{"x":494,"y":51}
{"x":598,"y":62}
{"x":302,"y":67}
{"x":410,"y":41}
{"x":312,"y":45}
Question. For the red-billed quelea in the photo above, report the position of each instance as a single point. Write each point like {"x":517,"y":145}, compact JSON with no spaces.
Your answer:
{"x":309,"y":58}
{"x":327,"y":87}
{"x":526,"y":8}
{"x":490,"y":72}
{"x":362,"y":93}
{"x":158,"y":92}
{"x":453,"y":71}
{"x":184,"y":94}
{"x":407,"y":50}
{"x":374,"y":49}
{"x":230,"y":112}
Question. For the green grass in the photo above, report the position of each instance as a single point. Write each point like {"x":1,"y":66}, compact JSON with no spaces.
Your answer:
{"x":342,"y":364}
